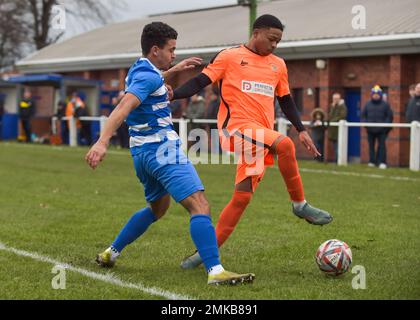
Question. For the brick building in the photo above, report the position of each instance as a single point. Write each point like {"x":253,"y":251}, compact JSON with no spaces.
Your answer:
{"x":350,"y":60}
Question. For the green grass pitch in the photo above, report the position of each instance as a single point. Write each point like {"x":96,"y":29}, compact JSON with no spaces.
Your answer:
{"x":52,"y":204}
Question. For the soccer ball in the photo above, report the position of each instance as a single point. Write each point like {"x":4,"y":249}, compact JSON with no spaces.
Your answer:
{"x":333,"y":257}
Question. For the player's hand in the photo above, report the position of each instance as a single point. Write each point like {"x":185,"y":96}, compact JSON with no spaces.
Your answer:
{"x":170,"y":91}
{"x":308,"y":143}
{"x":187,"y":64}
{"x":96,"y":154}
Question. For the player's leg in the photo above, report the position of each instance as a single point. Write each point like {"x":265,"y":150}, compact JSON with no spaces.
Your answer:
{"x":228,"y":219}
{"x":285,"y":149}
{"x":159,"y":201}
{"x":182,"y":182}
{"x":245,"y":185}
{"x":204,"y":237}
{"x":232,"y":212}
{"x":133,"y":229}
{"x":140,"y":222}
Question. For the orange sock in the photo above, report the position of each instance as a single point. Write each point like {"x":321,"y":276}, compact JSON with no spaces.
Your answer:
{"x":231,"y":214}
{"x":289,"y":169}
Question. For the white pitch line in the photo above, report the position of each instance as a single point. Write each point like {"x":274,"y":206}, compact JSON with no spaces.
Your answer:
{"x":108,"y":278}
{"x":343,"y":173}
{"x":355,"y":174}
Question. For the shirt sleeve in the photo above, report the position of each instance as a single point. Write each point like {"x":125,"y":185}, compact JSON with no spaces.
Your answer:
{"x":215,"y":70}
{"x":282,"y":88}
{"x":144,"y":84}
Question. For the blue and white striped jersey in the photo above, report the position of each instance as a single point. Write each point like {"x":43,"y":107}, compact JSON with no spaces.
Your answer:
{"x":151,"y":120}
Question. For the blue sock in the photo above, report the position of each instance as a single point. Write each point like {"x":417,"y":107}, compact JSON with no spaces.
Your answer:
{"x":135,"y":227}
{"x":204,"y":237}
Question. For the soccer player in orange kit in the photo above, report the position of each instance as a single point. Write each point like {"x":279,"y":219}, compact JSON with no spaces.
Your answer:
{"x":250,"y":77}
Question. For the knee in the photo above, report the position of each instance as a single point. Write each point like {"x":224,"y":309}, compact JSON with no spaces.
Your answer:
{"x":204,"y":205}
{"x":285,"y":147}
{"x":198,"y":204}
{"x":159,"y":209}
{"x":159,"y":213}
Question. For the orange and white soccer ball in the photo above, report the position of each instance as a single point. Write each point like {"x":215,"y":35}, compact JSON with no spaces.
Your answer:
{"x":333,"y":257}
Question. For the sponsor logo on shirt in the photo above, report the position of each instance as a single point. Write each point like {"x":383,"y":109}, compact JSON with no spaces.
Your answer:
{"x":258,"y":88}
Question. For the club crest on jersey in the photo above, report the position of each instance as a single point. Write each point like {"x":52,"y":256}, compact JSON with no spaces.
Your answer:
{"x":258,"y":88}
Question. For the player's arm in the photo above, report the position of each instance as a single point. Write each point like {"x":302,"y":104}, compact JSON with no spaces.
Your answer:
{"x":288,"y":106}
{"x":191,"y":87}
{"x":212,"y":73}
{"x":98,"y":150}
{"x":186,"y":64}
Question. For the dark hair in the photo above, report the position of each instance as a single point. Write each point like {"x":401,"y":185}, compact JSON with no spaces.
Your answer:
{"x":267,"y":21}
{"x":156,"y":34}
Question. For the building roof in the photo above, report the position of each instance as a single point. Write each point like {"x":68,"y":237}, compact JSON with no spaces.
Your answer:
{"x":321,"y":28}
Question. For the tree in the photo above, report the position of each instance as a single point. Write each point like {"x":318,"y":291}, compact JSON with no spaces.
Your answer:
{"x":13,"y":32}
{"x":83,"y":12}
{"x":25,"y":25}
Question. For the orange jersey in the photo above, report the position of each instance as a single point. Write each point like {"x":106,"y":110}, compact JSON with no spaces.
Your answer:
{"x":248,"y":85}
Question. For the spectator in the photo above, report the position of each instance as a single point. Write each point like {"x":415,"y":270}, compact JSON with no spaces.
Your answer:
{"x":83,"y":126}
{"x":413,"y":106}
{"x":26,"y":111}
{"x":318,"y":127}
{"x":59,"y":135}
{"x":77,"y":108}
{"x":379,"y":111}
{"x":61,"y":110}
{"x":196,"y":110}
{"x":337,"y":112}
{"x":412,"y":90}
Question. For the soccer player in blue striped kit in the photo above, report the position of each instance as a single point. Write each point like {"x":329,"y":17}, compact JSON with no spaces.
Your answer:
{"x":160,"y":164}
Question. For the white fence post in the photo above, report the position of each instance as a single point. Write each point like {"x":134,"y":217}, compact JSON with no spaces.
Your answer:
{"x":415,"y":146}
{"x":53,"y":125}
{"x":102,"y":122}
{"x":343,"y":137}
{"x":183,"y":133}
{"x":282,"y":126}
{"x":72,"y":132}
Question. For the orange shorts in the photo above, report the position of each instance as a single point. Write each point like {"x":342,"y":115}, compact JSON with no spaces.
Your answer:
{"x":251,"y":144}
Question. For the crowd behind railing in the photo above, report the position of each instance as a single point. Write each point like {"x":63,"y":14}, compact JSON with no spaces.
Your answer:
{"x":72,"y":124}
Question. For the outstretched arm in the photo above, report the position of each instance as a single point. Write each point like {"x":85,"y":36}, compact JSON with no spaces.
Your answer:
{"x":186,"y":64}
{"x":192,"y":86}
{"x":288,"y":107}
{"x":98,"y":150}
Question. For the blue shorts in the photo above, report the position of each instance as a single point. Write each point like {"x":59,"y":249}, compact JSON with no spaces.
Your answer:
{"x":163,"y":168}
